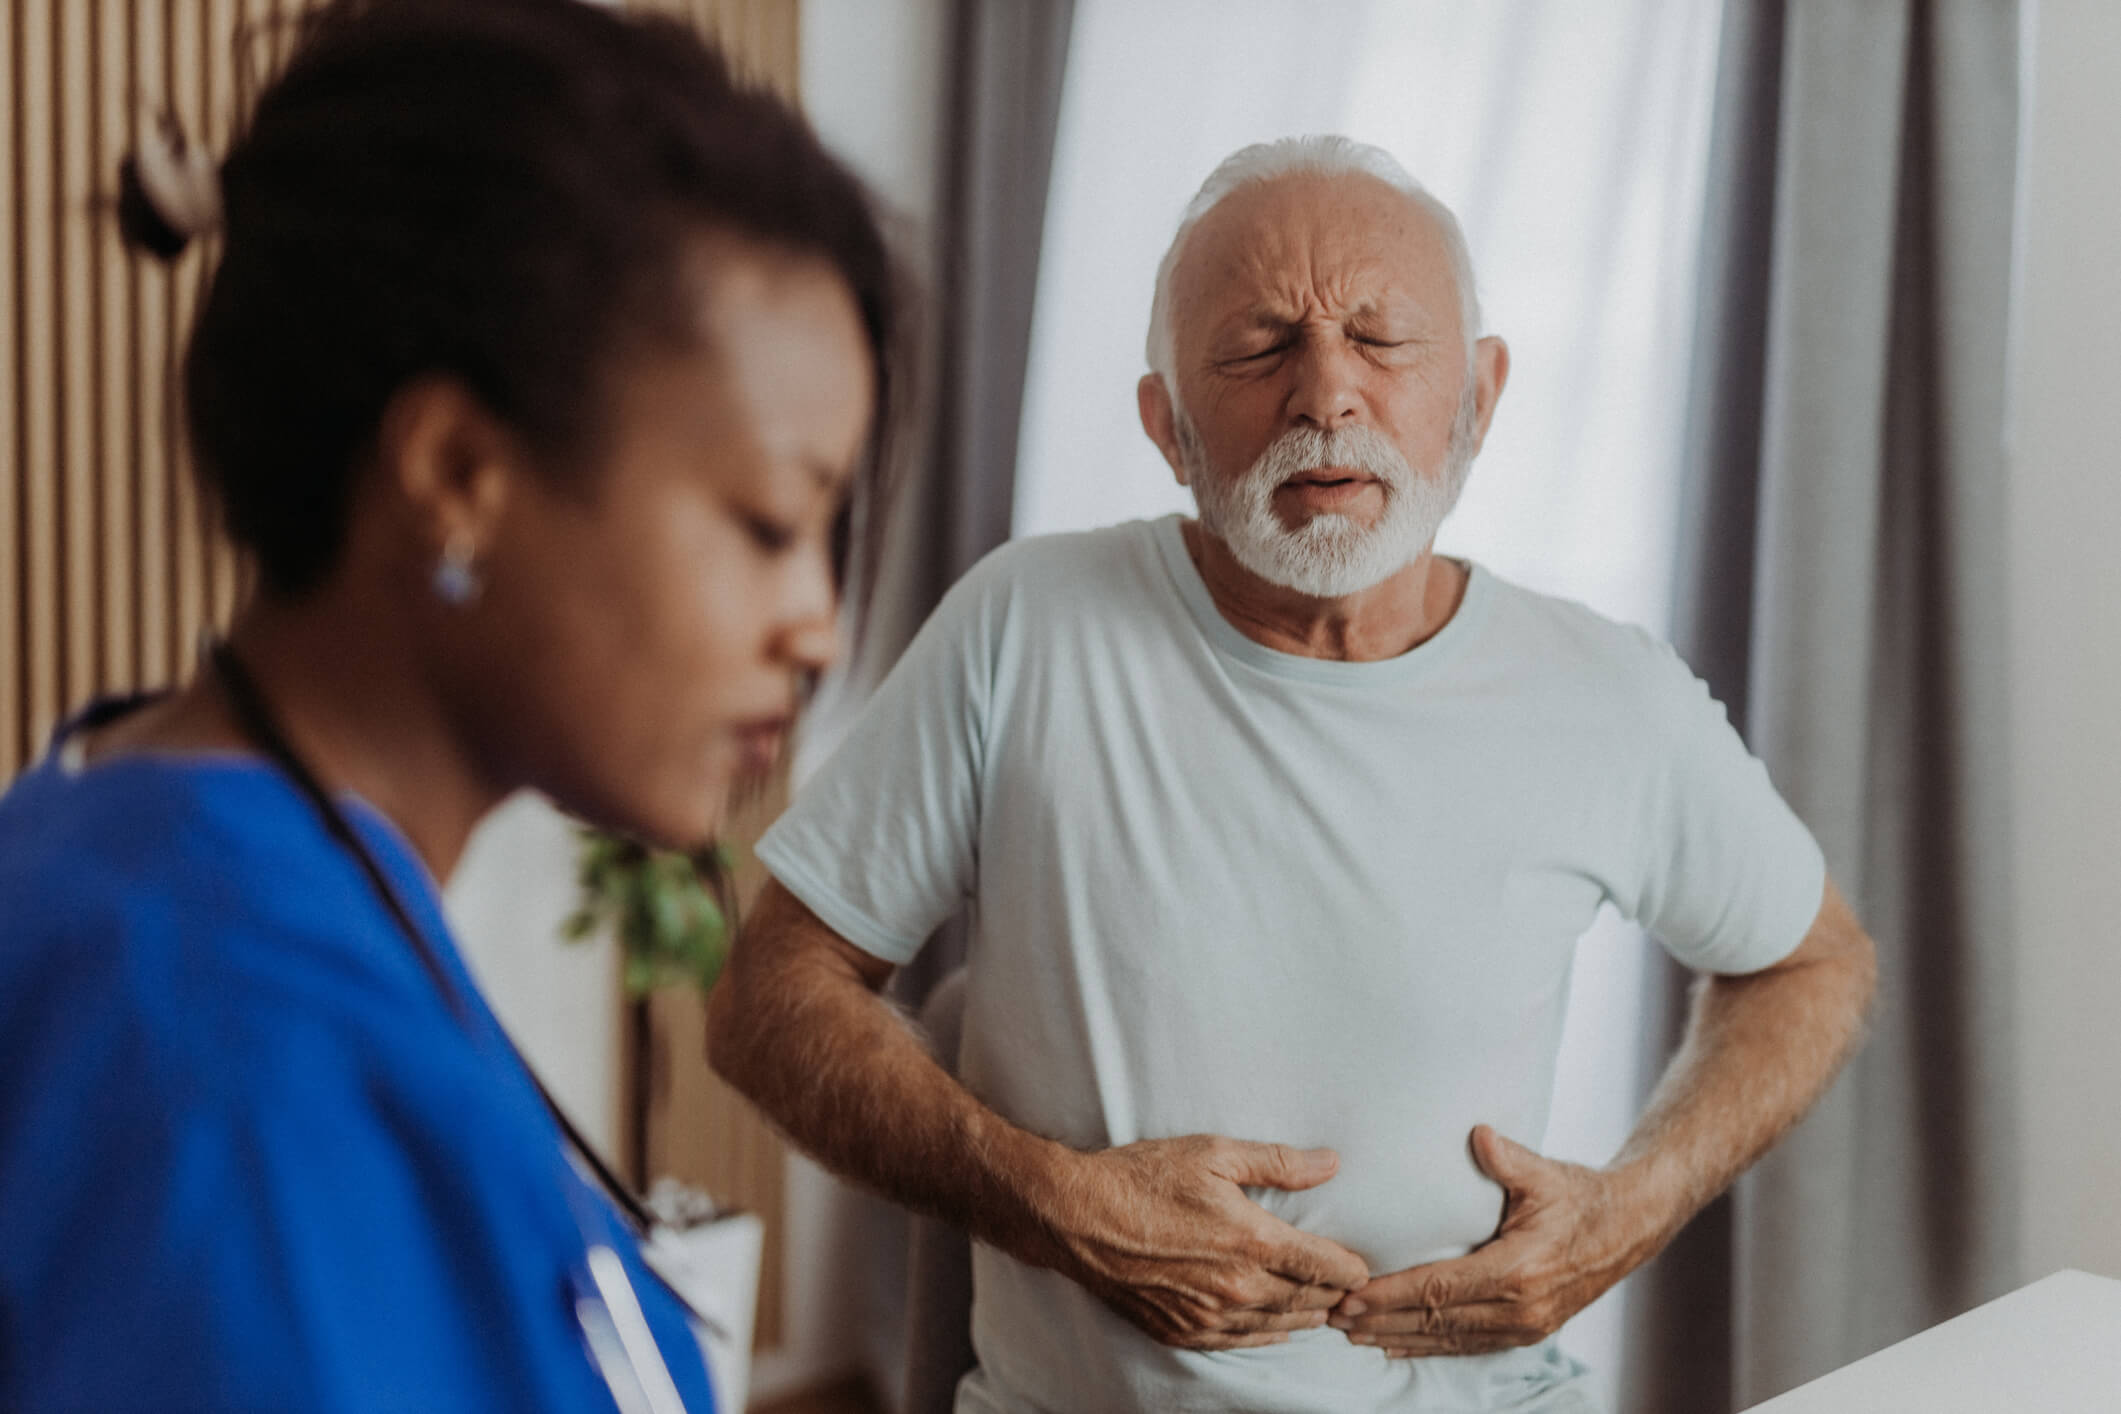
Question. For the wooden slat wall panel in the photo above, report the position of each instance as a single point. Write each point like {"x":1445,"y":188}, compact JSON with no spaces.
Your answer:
{"x":222,"y":99}
{"x":36,"y":346}
{"x":184,"y":64}
{"x":75,"y":333}
{"x":154,"y":632}
{"x":698,"y":1129}
{"x":115,"y":406}
{"x":14,"y":685}
{"x":109,"y":567}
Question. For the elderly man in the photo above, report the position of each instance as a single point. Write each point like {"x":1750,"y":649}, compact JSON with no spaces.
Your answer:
{"x":1277,"y":831}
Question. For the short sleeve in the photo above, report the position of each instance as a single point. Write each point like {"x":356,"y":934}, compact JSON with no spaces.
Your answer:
{"x":882,"y":843}
{"x":1725,"y":874}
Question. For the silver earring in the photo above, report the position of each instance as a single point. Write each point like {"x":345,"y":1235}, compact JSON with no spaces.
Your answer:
{"x":456,"y":578}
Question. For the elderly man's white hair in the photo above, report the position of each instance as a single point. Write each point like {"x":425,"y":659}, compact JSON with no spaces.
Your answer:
{"x":1326,"y":155}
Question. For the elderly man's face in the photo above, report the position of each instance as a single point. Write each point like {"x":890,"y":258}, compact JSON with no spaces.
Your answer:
{"x":1322,"y":365}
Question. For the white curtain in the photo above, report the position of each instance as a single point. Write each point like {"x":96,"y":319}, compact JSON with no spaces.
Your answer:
{"x":1571,"y":139}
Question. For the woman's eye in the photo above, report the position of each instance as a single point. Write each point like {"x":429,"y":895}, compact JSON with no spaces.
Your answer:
{"x":769,"y":535}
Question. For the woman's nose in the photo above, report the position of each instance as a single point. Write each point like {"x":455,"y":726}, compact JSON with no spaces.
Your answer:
{"x":812,"y":645}
{"x":809,"y":637}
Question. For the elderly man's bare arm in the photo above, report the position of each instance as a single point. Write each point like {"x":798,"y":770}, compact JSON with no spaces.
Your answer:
{"x":1160,"y":1230}
{"x":1759,"y":1050}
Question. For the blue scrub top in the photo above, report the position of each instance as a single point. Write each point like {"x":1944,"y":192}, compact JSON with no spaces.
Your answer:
{"x":250,"y":1159}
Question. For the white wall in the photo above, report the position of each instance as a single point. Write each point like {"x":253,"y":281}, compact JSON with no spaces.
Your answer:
{"x":559,"y":1000}
{"x":2066,"y":585}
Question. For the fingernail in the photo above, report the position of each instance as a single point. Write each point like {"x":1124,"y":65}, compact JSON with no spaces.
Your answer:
{"x":1351,"y":1306}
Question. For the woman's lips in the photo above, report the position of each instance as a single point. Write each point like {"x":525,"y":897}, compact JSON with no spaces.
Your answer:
{"x":759,"y":742}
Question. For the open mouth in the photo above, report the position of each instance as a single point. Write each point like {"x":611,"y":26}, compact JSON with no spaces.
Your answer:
{"x":1330,"y":476}
{"x":1328,"y":485}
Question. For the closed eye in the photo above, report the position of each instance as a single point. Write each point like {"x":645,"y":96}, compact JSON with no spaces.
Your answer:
{"x":769,"y":535}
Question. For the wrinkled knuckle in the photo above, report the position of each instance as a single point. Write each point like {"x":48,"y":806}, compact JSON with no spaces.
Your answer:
{"x":1528,"y":1327}
{"x":1159,"y":1320}
{"x":1170,"y":1331}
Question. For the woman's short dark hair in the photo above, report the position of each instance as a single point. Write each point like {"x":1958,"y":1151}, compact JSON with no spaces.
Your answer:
{"x":502,"y":191}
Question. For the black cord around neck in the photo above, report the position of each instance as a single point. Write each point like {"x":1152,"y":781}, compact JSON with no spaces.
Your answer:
{"x":255,"y":716}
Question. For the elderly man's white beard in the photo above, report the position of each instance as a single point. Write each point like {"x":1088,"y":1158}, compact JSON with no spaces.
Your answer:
{"x":1330,"y":555}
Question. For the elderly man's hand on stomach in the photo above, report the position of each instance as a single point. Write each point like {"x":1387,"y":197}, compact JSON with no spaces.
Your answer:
{"x":1568,"y":1233}
{"x":1760,"y":1048}
{"x":1161,"y":1230}
{"x":1163,"y":1233}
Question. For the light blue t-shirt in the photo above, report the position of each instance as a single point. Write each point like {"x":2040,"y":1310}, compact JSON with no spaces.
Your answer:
{"x":1218,"y":888}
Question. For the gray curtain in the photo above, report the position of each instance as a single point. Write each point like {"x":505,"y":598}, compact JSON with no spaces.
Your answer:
{"x":1841,"y":587}
{"x":1007,"y":61}
{"x":1008,"y":58}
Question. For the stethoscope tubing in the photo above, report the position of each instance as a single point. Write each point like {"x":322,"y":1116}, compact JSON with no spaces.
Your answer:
{"x":608,"y":1309}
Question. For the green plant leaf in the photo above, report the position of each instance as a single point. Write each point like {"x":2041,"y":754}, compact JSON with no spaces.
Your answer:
{"x":671,"y":927}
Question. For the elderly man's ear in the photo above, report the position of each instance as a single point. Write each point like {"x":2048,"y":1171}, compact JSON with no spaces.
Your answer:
{"x":1491,"y":369}
{"x":1160,"y":420}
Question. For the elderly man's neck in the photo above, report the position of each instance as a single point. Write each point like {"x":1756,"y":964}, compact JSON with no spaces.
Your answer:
{"x":1380,"y":622}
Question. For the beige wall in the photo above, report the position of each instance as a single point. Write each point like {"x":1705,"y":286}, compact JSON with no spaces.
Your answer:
{"x":2065,"y":540}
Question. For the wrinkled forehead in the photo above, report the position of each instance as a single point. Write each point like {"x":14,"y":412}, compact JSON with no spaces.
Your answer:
{"x":1315,"y":244}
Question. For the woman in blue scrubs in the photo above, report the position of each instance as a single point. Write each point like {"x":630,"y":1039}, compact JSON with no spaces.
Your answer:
{"x":535,"y":378}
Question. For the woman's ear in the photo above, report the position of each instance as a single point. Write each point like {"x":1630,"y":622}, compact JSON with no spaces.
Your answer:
{"x":448,"y":462}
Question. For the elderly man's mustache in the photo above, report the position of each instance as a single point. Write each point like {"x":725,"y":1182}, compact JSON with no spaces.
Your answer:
{"x":1304,"y":451}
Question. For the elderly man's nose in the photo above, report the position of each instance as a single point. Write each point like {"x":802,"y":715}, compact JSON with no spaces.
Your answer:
{"x":1325,"y":384}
